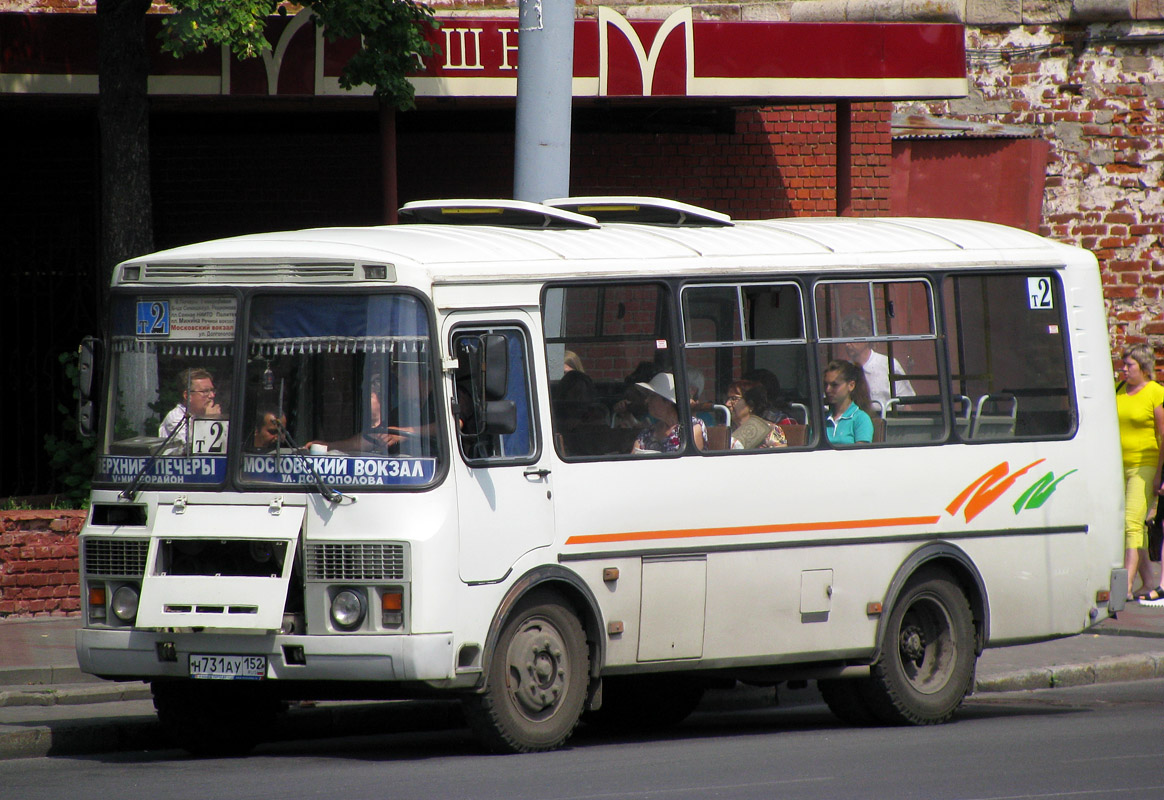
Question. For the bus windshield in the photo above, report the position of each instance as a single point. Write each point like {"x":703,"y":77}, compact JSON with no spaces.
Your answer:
{"x":171,"y":363}
{"x":336,"y":389}
{"x":339,"y":388}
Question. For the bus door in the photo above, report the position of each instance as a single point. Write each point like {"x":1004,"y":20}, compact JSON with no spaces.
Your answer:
{"x":504,"y":484}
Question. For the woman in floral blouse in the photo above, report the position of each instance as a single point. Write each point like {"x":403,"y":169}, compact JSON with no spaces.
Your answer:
{"x":666,"y":435}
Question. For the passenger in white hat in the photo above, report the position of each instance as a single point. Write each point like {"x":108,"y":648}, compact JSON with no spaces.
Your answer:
{"x":666,"y":435}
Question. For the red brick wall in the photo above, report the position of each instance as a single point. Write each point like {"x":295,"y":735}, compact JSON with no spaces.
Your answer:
{"x":779,"y":162}
{"x":1091,"y":92}
{"x":38,"y":563}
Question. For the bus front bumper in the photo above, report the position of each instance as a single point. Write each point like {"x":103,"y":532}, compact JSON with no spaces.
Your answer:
{"x":145,"y":655}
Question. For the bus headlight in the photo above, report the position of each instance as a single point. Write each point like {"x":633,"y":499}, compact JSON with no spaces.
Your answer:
{"x":124,"y":604}
{"x":348,"y":609}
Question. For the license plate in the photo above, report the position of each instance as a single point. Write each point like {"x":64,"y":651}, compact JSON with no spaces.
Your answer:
{"x":244,"y":668}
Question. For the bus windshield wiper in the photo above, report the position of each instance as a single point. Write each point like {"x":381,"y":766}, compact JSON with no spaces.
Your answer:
{"x":130,"y":492}
{"x":329,"y":493}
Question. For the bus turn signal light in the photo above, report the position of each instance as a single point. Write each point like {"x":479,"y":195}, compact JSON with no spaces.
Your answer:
{"x":392,"y":608}
{"x":97,"y":602}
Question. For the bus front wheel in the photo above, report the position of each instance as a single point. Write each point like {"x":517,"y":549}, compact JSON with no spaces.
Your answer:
{"x":535,"y":681}
{"x":927,"y":655}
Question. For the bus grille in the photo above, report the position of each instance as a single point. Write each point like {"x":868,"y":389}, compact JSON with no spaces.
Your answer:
{"x":355,"y":562}
{"x":124,"y":558}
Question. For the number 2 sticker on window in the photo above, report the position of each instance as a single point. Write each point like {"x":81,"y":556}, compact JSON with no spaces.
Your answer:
{"x":209,"y":437}
{"x":153,"y":318}
{"x":1039,"y":293}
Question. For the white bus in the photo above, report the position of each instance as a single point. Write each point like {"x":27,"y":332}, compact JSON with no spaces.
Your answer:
{"x":410,"y":460}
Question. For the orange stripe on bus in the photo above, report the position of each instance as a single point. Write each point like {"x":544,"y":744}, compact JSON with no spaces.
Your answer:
{"x":792,"y":527}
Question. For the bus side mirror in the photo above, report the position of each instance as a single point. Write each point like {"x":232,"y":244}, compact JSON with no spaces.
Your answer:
{"x":500,"y":416}
{"x":495,"y":367}
{"x":86,"y":367}
{"x":485,"y":359}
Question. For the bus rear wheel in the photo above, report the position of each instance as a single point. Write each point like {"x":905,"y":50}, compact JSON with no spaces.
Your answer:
{"x":927,"y":655}
{"x":846,"y":699}
{"x":535,"y":681}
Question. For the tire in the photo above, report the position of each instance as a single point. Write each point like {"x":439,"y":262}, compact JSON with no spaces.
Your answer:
{"x":535,"y":681}
{"x":846,"y":699}
{"x":645,"y":703}
{"x":927,"y":660}
{"x":215,"y":719}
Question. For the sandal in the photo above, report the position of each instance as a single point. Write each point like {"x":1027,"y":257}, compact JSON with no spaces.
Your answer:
{"x":1152,"y":595}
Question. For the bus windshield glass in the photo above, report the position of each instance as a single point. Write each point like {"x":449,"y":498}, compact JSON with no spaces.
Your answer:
{"x":171,"y":362}
{"x":339,"y":389}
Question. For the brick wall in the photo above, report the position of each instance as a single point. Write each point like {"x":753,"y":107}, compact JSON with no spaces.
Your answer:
{"x":1093,"y":91}
{"x":778,"y":162}
{"x":38,"y":563}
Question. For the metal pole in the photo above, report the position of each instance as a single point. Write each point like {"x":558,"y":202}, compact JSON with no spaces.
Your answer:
{"x":545,"y":73}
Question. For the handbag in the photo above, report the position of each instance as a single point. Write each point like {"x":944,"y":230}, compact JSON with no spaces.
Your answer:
{"x":775,"y":437}
{"x":1156,"y":533}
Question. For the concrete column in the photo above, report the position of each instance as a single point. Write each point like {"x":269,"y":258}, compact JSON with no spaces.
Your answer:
{"x":545,"y":74}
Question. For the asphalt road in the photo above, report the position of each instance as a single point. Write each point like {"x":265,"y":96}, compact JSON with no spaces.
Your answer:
{"x":1091,"y":742}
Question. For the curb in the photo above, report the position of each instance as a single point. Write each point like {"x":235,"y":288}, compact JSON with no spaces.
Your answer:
{"x":72,"y":694}
{"x":1118,"y":669}
{"x":19,"y":676}
{"x":94,"y":736}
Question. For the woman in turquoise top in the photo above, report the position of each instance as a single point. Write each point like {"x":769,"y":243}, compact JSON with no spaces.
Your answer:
{"x":847,"y":394}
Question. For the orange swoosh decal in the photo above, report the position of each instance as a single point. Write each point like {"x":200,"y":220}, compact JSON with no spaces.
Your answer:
{"x":987,"y":488}
{"x":750,"y":530}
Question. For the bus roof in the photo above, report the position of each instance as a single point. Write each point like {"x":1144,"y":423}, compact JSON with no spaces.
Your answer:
{"x":441,"y":253}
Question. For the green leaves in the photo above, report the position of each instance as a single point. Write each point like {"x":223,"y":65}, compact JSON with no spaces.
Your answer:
{"x":391,"y":35}
{"x":240,"y":24}
{"x":71,"y":458}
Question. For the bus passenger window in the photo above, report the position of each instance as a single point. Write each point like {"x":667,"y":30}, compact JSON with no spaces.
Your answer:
{"x":747,"y":364}
{"x":887,"y":330}
{"x":604,"y":343}
{"x":1008,"y":356}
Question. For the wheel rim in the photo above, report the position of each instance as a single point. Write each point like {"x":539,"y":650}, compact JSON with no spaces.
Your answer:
{"x":927,"y":647}
{"x":537,"y":669}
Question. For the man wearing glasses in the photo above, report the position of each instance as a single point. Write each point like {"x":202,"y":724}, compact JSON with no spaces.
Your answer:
{"x":197,"y":387}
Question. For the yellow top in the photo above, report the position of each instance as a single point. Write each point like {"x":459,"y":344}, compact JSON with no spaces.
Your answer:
{"x":1138,"y":424}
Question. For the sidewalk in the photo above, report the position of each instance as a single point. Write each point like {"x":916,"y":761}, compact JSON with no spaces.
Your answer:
{"x":48,"y":707}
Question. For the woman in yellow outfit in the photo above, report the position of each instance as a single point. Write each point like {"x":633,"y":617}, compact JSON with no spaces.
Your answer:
{"x":1140,"y":406}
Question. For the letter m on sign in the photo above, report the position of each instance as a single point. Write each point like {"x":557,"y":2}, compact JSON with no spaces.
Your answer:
{"x":666,"y":71}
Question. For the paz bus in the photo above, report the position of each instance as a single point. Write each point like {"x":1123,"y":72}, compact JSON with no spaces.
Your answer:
{"x":353,"y":463}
